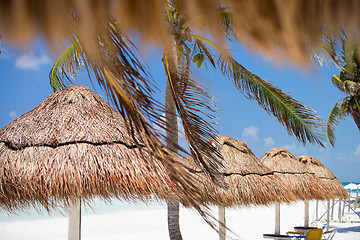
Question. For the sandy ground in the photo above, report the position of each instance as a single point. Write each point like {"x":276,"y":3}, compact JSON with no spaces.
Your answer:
{"x":140,"y":223}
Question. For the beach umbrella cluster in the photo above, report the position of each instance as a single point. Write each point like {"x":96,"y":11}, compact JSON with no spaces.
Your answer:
{"x":249,"y":181}
{"x":74,"y":147}
{"x":302,"y":178}
{"x":297,"y":176}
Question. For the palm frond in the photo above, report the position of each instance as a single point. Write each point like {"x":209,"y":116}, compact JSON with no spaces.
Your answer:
{"x":66,"y":66}
{"x":332,"y":45}
{"x":227,"y":24}
{"x":337,"y":113}
{"x":120,"y":73}
{"x":299,"y":120}
{"x":192,"y":103}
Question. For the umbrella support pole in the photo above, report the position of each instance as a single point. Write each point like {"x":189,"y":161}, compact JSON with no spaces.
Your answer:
{"x":356,"y":197}
{"x":277,"y":219}
{"x":222,"y":223}
{"x":75,"y":221}
{"x":328,"y":216}
{"x":306,"y":222}
{"x":332,"y":209}
{"x":328,"y":210}
{"x":339,"y":212}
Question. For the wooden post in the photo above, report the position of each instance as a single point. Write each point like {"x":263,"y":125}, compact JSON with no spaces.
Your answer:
{"x":332,"y":210}
{"x":222,"y":229}
{"x":343,"y":208}
{"x":317,"y":210}
{"x":277,"y":219}
{"x":349,"y":200}
{"x":339,"y":211}
{"x":328,"y":216}
{"x":306,"y":222}
{"x":75,"y":221}
{"x":356,"y":197}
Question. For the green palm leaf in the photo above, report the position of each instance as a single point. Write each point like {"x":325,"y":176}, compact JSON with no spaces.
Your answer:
{"x":66,"y":66}
{"x":299,"y":120}
{"x":337,"y":82}
{"x":337,"y":113}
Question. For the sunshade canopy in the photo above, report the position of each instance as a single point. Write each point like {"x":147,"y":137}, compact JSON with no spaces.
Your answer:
{"x":249,"y":181}
{"x":297,"y":177}
{"x":74,"y":145}
{"x":270,"y":25}
{"x":322,"y":172}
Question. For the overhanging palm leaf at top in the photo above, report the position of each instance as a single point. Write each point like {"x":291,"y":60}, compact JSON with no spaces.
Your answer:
{"x":299,"y":120}
{"x":343,"y":52}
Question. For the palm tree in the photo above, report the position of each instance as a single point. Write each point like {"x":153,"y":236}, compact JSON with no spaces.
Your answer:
{"x":343,"y":51}
{"x":184,"y":97}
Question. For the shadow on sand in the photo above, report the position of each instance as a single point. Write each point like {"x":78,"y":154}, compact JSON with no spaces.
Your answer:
{"x":348,"y":229}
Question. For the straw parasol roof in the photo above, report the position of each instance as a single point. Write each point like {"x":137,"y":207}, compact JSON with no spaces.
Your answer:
{"x":322,"y":172}
{"x":269,"y":25}
{"x":75,"y":145}
{"x":250,"y":182}
{"x":297,"y":177}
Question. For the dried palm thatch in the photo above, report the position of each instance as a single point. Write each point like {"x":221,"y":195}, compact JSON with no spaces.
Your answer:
{"x":298,"y":178}
{"x":322,"y":172}
{"x":250,"y":182}
{"x":75,"y":146}
{"x":270,"y":25}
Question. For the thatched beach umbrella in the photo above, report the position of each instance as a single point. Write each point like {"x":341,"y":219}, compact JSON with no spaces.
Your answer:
{"x":336,"y":189}
{"x":249,"y":181}
{"x":268,"y":25}
{"x":297,"y":177}
{"x":74,"y":147}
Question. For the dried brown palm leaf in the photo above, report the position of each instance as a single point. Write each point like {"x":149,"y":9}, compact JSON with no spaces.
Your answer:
{"x":269,"y":25}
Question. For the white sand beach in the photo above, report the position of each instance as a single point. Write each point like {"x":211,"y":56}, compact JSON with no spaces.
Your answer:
{"x":139,"y":222}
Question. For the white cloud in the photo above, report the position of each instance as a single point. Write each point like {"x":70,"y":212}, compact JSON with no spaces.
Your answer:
{"x":12,"y":114}
{"x":357,"y":151}
{"x":31,"y":62}
{"x":269,"y":142}
{"x":250,"y":132}
{"x":297,"y":151}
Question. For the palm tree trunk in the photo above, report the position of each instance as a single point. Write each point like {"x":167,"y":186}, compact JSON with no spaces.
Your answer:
{"x":172,"y":137}
{"x":171,"y":140}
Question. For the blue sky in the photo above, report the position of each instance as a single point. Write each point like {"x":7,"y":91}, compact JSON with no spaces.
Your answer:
{"x":24,"y":84}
